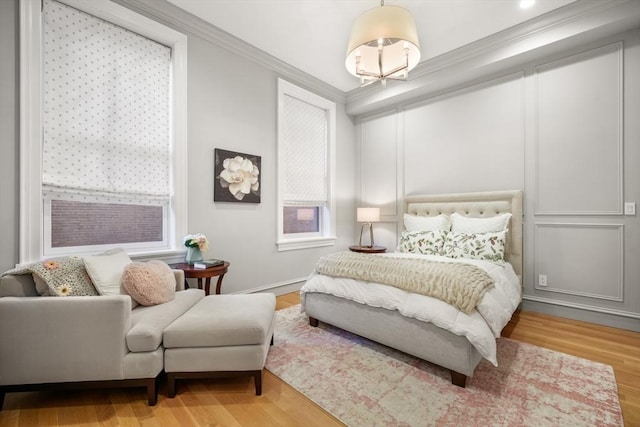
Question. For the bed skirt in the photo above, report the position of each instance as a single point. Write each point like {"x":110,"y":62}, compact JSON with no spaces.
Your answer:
{"x":389,"y":327}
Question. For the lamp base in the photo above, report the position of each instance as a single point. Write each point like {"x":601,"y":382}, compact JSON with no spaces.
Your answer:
{"x":370,"y":235}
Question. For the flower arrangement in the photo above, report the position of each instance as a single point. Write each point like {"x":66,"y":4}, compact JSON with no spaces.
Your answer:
{"x":198,"y":240}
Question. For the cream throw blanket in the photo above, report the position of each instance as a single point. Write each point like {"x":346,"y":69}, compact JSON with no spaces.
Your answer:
{"x":461,"y":285}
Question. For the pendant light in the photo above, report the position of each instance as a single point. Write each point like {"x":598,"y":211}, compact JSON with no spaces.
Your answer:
{"x":383,"y":45}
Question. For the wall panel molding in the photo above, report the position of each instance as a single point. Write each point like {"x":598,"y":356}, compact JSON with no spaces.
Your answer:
{"x":586,"y":307}
{"x":378,"y":174}
{"x":573,"y":245}
{"x":578,"y":130}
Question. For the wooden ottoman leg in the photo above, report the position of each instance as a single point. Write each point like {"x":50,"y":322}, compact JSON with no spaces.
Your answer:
{"x":313,"y":322}
{"x":257,"y":375}
{"x":171,"y":385}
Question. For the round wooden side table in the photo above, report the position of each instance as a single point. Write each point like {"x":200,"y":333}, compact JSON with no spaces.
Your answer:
{"x":190,"y":272}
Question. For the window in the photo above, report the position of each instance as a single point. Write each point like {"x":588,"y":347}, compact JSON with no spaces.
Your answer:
{"x":102,"y":109}
{"x":306,"y":147}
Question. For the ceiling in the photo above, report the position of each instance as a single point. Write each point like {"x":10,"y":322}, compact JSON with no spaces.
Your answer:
{"x":312,"y":35}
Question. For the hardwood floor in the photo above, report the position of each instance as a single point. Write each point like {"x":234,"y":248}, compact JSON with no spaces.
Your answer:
{"x":232,"y":402}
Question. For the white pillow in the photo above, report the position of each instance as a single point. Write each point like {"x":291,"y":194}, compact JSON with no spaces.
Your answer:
{"x":465,"y":224}
{"x":106,"y":270}
{"x":426,"y":223}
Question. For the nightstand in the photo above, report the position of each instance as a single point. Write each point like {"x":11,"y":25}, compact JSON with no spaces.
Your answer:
{"x":368,"y":249}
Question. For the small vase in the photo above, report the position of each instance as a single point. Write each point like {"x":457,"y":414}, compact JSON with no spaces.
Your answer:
{"x":193,"y":255}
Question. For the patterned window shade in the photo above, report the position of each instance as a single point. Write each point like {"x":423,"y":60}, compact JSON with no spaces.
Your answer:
{"x":106,"y":111}
{"x":305,"y":153}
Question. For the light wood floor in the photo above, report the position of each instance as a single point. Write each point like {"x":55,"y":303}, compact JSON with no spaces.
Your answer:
{"x":232,"y":402}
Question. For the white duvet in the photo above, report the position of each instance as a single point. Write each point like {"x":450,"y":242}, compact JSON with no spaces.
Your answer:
{"x":481,"y":327}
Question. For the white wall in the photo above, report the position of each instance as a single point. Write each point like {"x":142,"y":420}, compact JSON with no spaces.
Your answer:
{"x":232,"y":105}
{"x":564,"y":129}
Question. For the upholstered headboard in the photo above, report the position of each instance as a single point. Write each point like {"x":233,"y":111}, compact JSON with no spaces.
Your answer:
{"x":479,"y":205}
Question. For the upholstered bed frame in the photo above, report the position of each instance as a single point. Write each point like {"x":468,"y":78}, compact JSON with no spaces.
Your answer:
{"x":421,"y":339}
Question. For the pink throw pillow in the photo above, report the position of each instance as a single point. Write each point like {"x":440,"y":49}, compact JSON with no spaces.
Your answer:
{"x":149,"y":283}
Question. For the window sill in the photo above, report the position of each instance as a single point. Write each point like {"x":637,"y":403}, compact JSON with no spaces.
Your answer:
{"x":315,"y":242}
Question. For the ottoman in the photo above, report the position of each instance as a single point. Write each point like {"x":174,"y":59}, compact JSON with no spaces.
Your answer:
{"x":220,"y":336}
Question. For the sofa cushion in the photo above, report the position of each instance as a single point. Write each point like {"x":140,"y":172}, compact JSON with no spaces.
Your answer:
{"x":17,"y":285}
{"x":149,"y":283}
{"x":148,"y":323}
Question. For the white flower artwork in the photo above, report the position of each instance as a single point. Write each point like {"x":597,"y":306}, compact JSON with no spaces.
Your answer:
{"x":237,"y":177}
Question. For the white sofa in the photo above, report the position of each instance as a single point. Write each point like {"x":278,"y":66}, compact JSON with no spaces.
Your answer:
{"x":82,"y":341}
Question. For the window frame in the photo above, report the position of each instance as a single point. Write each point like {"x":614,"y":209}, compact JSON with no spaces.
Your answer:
{"x":327,"y":221}
{"x":32,"y":204}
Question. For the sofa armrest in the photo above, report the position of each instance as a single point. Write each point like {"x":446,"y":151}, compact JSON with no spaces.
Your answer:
{"x":179,"y":279}
{"x":62,"y":339}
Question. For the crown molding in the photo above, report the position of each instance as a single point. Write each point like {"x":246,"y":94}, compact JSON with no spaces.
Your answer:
{"x":173,"y":16}
{"x":576,"y":18}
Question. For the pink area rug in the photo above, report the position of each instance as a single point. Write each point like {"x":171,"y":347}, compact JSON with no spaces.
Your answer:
{"x":363,"y":383}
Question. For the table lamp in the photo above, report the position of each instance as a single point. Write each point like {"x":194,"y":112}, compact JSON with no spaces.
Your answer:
{"x":368,"y":216}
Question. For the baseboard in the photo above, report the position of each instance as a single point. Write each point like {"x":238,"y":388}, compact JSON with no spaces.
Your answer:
{"x":551,"y":308}
{"x":582,"y":314}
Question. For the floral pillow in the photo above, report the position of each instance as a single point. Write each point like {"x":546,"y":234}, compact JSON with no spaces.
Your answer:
{"x":484,"y":246}
{"x":64,"y":277}
{"x":422,"y":242}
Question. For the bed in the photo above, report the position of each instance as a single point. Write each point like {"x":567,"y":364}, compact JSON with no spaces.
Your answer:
{"x":421,"y":325}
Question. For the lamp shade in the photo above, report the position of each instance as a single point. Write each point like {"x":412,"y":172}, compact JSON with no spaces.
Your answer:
{"x":390,"y":28}
{"x":368,"y":214}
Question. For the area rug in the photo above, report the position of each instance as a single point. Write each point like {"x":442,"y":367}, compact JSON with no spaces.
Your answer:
{"x":363,"y":383}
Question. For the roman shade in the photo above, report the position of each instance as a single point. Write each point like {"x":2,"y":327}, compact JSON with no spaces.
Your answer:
{"x":305,"y":153}
{"x":106,"y":111}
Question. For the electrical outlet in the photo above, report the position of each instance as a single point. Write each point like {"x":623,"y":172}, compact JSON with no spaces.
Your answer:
{"x":542,"y":280}
{"x":629,"y":208}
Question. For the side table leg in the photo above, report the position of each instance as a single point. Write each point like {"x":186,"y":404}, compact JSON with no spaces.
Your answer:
{"x":219,"y":284}
{"x":199,"y":283}
{"x":207,"y":285}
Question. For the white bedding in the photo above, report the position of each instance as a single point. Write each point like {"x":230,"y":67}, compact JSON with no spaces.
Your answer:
{"x":481,"y":327}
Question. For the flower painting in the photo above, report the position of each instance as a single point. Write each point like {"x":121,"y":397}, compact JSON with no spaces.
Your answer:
{"x":237,"y":177}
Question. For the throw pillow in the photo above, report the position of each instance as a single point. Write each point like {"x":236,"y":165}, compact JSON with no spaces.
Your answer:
{"x":422,"y":242}
{"x":426,"y":223}
{"x":149,"y":283}
{"x":465,"y":224}
{"x":64,"y":276}
{"x":106,"y":270}
{"x":483,"y":246}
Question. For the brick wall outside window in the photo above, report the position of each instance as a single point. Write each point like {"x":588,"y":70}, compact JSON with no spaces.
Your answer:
{"x":83,"y":224}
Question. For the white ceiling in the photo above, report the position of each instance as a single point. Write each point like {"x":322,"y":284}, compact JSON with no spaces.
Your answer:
{"x":312,"y":35}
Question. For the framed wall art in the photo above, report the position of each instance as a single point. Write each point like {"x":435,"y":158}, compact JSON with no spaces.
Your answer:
{"x":236,"y":177}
